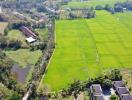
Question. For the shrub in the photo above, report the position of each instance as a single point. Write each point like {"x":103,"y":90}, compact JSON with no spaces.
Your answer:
{"x":113,"y":97}
{"x":99,"y":7}
{"x":107,"y":83}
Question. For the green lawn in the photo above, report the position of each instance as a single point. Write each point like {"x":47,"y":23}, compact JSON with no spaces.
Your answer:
{"x":91,"y":3}
{"x":17,"y":35}
{"x":24,"y":56}
{"x":43,"y":33}
{"x":86,"y":47}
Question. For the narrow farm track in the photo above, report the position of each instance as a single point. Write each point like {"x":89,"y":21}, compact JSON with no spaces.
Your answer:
{"x":98,"y":61}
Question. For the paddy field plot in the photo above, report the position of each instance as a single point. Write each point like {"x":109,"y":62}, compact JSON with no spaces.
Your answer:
{"x":90,"y":3}
{"x":87,"y":47}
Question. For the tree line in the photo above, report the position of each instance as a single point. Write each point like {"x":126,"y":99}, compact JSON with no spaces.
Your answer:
{"x":105,"y":80}
{"x":6,"y":82}
{"x":118,"y":7}
{"x":6,"y":43}
{"x":72,"y":13}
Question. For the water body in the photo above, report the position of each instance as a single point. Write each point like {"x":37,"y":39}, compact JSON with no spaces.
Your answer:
{"x":21,"y":73}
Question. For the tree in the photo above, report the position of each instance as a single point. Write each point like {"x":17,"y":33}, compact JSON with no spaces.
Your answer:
{"x":6,"y":94}
{"x":99,"y":7}
{"x":108,"y":7}
{"x":41,"y":9}
{"x":75,"y":88}
{"x":107,"y":83}
{"x":3,"y":42}
{"x":118,"y":8}
{"x":72,"y":16}
{"x":15,"y":96}
{"x":113,"y":97}
{"x":115,"y":75}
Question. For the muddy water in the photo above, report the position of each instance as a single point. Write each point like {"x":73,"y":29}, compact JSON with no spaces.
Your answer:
{"x":21,"y":73}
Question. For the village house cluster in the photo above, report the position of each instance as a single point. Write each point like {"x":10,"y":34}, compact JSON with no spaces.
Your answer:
{"x":119,"y":89}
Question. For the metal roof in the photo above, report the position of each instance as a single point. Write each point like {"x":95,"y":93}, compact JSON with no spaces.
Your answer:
{"x":96,"y":89}
{"x":126,"y":97}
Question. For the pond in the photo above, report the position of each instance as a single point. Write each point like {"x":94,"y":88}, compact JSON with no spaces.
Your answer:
{"x":20,"y":74}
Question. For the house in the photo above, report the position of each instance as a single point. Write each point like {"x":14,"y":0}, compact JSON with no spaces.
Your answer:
{"x":30,"y":40}
{"x":122,"y":90}
{"x":27,"y":32}
{"x":118,"y":84}
{"x":30,"y":36}
{"x":126,"y":97}
{"x":96,"y":92}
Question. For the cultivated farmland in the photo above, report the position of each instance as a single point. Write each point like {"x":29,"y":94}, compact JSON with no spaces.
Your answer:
{"x":85,"y":48}
{"x":91,"y":3}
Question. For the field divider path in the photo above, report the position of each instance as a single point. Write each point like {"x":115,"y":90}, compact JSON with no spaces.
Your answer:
{"x":98,"y":60}
{"x":83,"y":53}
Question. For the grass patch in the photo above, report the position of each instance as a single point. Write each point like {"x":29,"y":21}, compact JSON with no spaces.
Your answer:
{"x":43,"y":33}
{"x":24,"y":56}
{"x":17,"y":35}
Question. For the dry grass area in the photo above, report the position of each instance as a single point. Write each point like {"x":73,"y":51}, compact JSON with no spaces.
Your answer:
{"x":127,"y":77}
{"x":2,"y":27}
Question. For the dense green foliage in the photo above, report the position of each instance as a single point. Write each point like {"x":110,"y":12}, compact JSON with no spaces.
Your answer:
{"x":6,"y":43}
{"x":5,"y":66}
{"x":6,"y":94}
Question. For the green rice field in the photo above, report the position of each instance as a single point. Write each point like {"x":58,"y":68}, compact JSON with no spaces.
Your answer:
{"x":91,"y":3}
{"x":87,"y":47}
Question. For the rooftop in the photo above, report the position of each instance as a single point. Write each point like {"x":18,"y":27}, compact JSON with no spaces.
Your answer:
{"x":122,"y":90}
{"x":98,"y":97}
{"x":96,"y":89}
{"x":30,"y":39}
{"x":118,"y":83}
{"x":126,"y":97}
